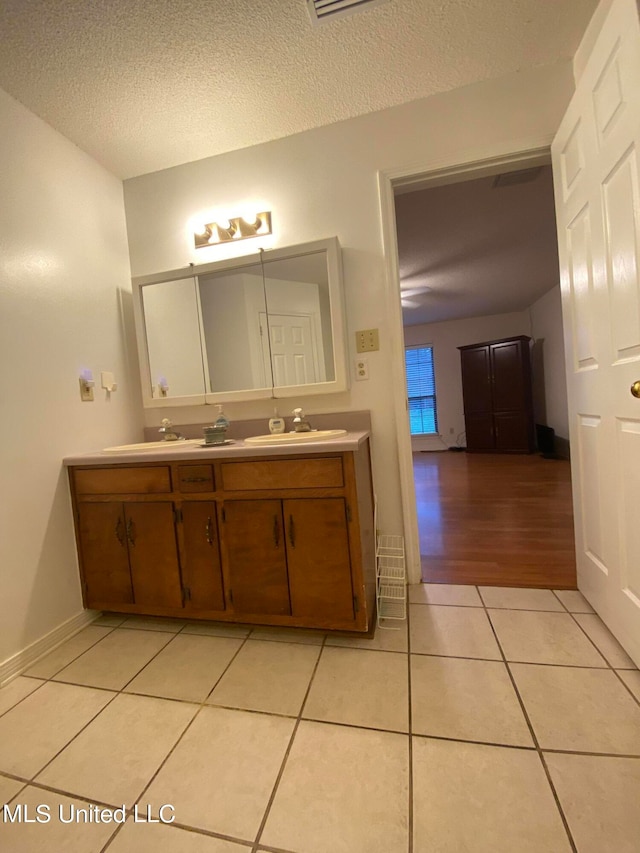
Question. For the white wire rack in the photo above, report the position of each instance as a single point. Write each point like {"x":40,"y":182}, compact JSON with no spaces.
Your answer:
{"x":391,"y":578}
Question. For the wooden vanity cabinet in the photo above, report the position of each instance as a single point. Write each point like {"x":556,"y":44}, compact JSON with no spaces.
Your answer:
{"x":279,"y":541}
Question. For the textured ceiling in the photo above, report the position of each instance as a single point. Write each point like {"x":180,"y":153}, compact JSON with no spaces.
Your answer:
{"x":479,"y":250}
{"x":142,"y":85}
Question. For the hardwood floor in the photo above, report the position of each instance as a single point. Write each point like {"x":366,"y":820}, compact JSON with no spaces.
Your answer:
{"x":495,"y":520}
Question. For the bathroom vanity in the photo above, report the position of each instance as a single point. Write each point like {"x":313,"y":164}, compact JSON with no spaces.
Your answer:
{"x":277,"y":535}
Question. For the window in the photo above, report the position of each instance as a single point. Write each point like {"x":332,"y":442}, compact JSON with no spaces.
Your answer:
{"x":421,"y":385}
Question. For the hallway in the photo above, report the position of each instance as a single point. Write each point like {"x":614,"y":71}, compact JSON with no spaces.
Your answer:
{"x":496,"y":520}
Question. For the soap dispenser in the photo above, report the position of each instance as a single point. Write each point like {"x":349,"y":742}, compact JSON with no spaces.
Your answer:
{"x":222,"y":422}
{"x":276,"y":423}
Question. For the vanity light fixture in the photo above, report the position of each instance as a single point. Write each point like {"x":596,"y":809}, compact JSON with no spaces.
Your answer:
{"x":236,"y":228}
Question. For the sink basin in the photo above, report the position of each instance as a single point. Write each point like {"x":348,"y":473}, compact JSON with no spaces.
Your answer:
{"x":153,"y":445}
{"x":296,"y":437}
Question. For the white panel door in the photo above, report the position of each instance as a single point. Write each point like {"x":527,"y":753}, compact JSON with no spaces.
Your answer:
{"x":293,"y":353}
{"x":596,"y":169}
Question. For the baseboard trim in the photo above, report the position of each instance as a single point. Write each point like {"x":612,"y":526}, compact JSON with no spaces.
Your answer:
{"x":13,"y":666}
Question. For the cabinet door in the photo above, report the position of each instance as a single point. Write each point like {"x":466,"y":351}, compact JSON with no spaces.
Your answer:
{"x":480,"y":431}
{"x":201,"y":572}
{"x":255,"y":547}
{"x":153,"y":553}
{"x":508,"y":376}
{"x":512,"y":430}
{"x":318,"y":558}
{"x":476,"y":380}
{"x":103,"y":547}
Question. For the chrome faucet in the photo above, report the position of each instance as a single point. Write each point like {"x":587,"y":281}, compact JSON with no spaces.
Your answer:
{"x":167,"y":431}
{"x":300,"y":423}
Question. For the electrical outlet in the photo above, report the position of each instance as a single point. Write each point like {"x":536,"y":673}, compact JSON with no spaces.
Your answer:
{"x":362,"y":369}
{"x":367,"y":340}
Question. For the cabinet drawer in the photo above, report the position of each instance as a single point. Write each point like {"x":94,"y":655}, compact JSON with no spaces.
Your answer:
{"x":195,"y":478}
{"x":283,"y":474}
{"x":108,"y":481}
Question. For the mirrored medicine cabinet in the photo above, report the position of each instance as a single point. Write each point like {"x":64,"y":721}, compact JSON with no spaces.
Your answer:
{"x":265,"y":325}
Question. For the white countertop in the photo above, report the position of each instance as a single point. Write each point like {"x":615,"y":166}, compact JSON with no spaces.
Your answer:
{"x":179,"y":452}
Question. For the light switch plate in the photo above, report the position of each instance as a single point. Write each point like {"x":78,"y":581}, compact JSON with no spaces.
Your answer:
{"x":367,"y":340}
{"x":86,"y":391}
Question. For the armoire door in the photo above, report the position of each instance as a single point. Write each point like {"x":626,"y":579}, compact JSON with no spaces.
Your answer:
{"x":477,"y":395}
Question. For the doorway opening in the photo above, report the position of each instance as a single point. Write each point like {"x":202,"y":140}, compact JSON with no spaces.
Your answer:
{"x":478,"y":269}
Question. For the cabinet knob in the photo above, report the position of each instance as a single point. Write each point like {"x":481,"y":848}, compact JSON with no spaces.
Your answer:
{"x":635,"y":389}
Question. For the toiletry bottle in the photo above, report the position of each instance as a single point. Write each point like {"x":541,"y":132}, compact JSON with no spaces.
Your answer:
{"x":222,"y":422}
{"x":276,"y":424}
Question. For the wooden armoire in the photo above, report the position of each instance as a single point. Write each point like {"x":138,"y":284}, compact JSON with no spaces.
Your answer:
{"x":498,"y":400}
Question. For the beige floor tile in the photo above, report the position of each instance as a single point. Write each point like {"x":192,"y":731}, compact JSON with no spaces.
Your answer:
{"x":110,"y":620}
{"x":56,"y":835}
{"x":153,"y":623}
{"x":361,"y":688}
{"x":288,"y":635}
{"x":600,"y":797}
{"x":452,"y":631}
{"x":632,"y":679}
{"x":222,"y":773}
{"x":116,"y":756}
{"x":43,"y":723}
{"x":8,"y":789}
{"x":264,"y":676}
{"x":15,"y":691}
{"x":485,"y":799}
{"x":216,"y":629}
{"x":444,"y":593}
{"x":187,"y":668}
{"x":161,"y":838}
{"x":574,"y":601}
{"x":343,"y":790}
{"x":609,"y":647}
{"x":116,"y":659}
{"x":386,"y":639}
{"x":466,"y":700}
{"x":544,"y":638}
{"x":586,"y":710}
{"x":52,"y":663}
{"x":511,"y":598}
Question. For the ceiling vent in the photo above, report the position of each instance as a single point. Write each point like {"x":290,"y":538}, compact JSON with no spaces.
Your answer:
{"x":325,"y":10}
{"x":522,"y":176}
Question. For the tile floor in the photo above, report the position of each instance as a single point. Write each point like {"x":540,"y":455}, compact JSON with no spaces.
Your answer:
{"x":502,"y":720}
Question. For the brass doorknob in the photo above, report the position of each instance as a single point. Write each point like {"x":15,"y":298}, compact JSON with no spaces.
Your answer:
{"x":635,"y":389}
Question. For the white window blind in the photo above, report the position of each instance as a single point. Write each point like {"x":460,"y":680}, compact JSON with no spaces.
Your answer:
{"x":421,"y":387}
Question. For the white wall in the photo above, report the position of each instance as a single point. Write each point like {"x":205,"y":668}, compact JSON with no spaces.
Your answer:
{"x":63,"y":274}
{"x":546,"y":325}
{"x":322,"y":183}
{"x":445,"y":338}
